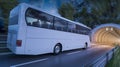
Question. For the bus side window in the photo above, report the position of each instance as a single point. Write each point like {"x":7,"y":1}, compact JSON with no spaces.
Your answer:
{"x":29,"y":24}
{"x":39,"y":19}
{"x":47,"y":20}
{"x":60,"y":24}
{"x":36,"y":24}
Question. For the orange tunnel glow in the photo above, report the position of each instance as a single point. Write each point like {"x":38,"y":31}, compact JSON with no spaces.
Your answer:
{"x":108,"y":34}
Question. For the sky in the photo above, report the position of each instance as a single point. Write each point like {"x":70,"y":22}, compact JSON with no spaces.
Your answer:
{"x":50,"y":6}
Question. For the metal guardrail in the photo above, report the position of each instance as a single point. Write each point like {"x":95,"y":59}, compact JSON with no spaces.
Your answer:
{"x":3,"y":44}
{"x":101,"y":62}
{"x":3,"y":40}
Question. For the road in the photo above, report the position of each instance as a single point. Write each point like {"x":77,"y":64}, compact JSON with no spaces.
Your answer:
{"x":74,"y":58}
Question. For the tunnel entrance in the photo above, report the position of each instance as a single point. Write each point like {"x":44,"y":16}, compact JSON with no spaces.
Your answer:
{"x":106,"y":34}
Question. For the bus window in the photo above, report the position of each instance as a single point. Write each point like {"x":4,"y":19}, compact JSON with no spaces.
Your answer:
{"x":48,"y":20}
{"x":32,"y":18}
{"x":60,"y":24}
{"x":38,"y":18}
{"x":82,"y":30}
{"x":71,"y":27}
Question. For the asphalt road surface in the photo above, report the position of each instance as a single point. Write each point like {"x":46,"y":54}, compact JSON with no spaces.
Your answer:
{"x":74,"y":58}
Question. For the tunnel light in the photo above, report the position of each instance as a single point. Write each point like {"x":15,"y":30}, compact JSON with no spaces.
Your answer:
{"x":111,"y":29}
{"x":107,"y":29}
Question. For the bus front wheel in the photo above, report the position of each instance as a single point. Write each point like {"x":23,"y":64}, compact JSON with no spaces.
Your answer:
{"x":57,"y":49}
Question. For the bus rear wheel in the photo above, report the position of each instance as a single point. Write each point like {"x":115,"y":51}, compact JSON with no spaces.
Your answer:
{"x":57,"y":49}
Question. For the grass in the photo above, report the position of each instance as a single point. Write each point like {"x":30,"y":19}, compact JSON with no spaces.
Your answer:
{"x":115,"y":61}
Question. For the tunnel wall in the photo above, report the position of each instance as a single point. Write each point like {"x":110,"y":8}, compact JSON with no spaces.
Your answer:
{"x":97,"y":32}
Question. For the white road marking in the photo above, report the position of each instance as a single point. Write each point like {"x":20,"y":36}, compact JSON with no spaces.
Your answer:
{"x":7,"y":53}
{"x":73,"y":53}
{"x":82,"y":50}
{"x":29,"y":62}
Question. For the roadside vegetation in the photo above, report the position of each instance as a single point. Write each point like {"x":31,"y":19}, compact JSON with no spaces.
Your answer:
{"x":115,"y":61}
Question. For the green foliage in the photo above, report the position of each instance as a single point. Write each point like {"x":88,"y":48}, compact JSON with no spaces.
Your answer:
{"x":115,"y":61}
{"x":6,"y":6}
{"x":94,"y":12}
{"x":107,"y":11}
{"x":66,"y":10}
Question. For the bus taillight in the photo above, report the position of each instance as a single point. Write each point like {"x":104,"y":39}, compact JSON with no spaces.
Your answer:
{"x":19,"y":43}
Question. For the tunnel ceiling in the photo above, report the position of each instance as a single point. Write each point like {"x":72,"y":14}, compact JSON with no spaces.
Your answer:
{"x":107,"y":34}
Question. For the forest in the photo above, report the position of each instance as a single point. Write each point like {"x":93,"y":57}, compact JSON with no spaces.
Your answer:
{"x":89,"y":12}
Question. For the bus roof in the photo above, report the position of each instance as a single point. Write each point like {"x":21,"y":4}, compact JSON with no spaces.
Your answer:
{"x":28,"y":5}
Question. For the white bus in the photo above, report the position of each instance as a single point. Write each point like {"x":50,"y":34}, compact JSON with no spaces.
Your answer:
{"x":32,"y":31}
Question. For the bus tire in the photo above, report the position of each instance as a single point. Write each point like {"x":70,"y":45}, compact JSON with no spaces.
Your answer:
{"x":57,"y":49}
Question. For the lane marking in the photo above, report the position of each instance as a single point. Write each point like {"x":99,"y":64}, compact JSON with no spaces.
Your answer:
{"x":6,"y":53}
{"x":73,"y":53}
{"x":29,"y":62}
{"x":81,"y":51}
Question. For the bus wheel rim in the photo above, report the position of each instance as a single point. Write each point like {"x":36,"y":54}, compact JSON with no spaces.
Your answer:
{"x":57,"y":49}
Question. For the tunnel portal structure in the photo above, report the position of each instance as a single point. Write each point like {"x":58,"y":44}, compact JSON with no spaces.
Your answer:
{"x":106,"y":34}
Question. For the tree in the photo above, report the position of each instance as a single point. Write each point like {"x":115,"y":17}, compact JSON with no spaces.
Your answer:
{"x":107,"y":10}
{"x":6,"y":6}
{"x":96,"y":12}
{"x":66,"y":10}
